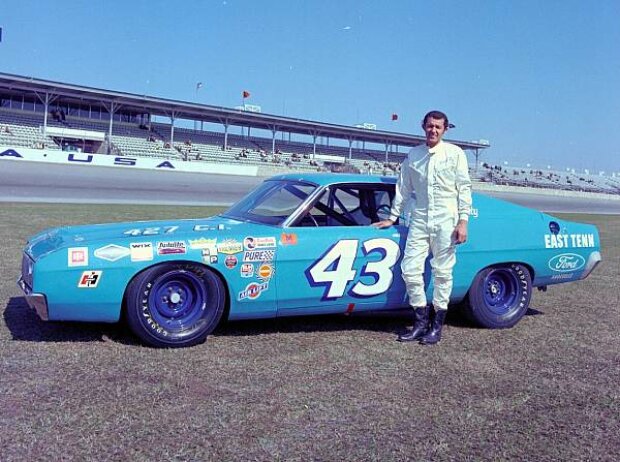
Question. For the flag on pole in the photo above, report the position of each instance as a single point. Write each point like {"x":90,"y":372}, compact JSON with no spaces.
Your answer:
{"x":394,"y":116}
{"x":246,"y":94}
{"x":198,"y":85}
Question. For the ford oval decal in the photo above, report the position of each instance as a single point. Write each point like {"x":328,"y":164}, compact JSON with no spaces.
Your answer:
{"x":566,"y":262}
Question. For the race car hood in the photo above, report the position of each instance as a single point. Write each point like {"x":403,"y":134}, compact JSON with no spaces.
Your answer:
{"x":56,"y":238}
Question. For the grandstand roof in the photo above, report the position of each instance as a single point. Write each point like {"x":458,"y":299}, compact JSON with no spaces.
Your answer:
{"x":17,"y":84}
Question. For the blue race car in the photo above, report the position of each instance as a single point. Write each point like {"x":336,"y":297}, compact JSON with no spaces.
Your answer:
{"x":299,"y":244}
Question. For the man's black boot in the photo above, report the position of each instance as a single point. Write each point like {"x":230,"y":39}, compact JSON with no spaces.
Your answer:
{"x":420,"y":325}
{"x":434,"y":334}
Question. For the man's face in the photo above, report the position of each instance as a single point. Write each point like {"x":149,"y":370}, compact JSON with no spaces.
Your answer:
{"x":434,"y":129}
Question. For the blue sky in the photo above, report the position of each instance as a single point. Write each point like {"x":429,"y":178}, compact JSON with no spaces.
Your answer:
{"x":538,"y":79}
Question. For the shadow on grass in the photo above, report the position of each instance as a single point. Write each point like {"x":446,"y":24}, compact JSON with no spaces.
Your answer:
{"x":392,"y":321}
{"x":533,"y":312}
{"x":25,"y":325}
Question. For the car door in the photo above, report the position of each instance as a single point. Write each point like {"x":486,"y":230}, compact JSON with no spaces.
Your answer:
{"x":331,"y":260}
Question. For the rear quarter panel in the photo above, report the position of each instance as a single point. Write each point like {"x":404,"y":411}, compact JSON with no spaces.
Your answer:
{"x":501,"y":232}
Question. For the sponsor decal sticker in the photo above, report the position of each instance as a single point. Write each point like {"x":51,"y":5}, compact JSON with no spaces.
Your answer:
{"x":258,"y":255}
{"x":89,"y":279}
{"x":247,"y":270}
{"x":229,"y":247}
{"x":566,"y":262}
{"x":203,"y":243}
{"x":288,"y":239}
{"x":112,"y":252}
{"x":251,"y":243}
{"x":253,"y":290}
{"x":230,"y":261}
{"x":208,"y":257}
{"x":171,"y":248}
{"x":566,"y":241}
{"x":141,"y":251}
{"x":265,"y":271}
{"x":77,"y":256}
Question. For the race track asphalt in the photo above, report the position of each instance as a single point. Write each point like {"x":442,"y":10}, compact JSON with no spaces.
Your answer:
{"x":42,"y":182}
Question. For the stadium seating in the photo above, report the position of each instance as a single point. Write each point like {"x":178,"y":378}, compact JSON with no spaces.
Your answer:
{"x":548,"y":179}
{"x":24,"y":128}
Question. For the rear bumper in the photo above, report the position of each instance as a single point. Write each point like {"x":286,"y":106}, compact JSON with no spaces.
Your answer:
{"x":593,"y":260}
{"x":37,"y":302}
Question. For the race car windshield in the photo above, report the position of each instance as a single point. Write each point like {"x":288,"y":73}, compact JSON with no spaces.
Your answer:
{"x":271,"y":202}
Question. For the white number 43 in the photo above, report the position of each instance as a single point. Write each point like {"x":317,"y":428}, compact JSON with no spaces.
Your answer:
{"x":335,"y":270}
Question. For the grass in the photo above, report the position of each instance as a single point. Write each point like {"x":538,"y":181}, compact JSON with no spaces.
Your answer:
{"x":320,"y":388}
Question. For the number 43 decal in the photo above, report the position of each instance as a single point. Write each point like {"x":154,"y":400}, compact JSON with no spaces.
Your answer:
{"x":334,"y":270}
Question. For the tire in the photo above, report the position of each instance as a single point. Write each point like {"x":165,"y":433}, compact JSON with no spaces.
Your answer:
{"x":175,"y":305}
{"x":499,"y":296}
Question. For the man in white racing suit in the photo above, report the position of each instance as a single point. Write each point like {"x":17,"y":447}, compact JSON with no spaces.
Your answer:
{"x":435,"y":178}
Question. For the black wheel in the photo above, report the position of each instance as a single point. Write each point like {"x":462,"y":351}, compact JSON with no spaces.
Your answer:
{"x":499,"y":296}
{"x":175,"y":304}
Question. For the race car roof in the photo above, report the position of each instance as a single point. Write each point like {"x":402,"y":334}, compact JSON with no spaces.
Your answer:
{"x":323,"y":179}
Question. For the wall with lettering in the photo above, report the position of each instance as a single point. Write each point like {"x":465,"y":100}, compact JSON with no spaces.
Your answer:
{"x":102,"y":160}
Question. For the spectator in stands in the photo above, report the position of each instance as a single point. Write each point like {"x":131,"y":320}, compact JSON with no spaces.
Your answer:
{"x":437,"y":173}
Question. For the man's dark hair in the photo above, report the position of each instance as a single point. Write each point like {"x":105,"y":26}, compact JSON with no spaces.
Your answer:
{"x":436,"y":115}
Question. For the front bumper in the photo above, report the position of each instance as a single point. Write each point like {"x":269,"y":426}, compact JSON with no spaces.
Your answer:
{"x":38,"y":302}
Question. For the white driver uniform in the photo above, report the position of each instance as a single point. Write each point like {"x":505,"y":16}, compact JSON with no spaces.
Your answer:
{"x":437,"y":183}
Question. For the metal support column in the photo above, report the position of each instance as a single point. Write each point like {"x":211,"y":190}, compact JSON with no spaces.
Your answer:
{"x":172,"y":118}
{"x":49,"y":98}
{"x":112,"y":109}
{"x":225,"y":134}
{"x":47,"y":110}
{"x":314,"y":145}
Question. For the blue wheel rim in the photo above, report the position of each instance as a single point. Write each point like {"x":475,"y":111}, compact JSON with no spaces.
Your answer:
{"x":501,"y":289}
{"x":177,"y":300}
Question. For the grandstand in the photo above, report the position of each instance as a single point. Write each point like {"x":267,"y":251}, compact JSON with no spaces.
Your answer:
{"x":547,"y":179}
{"x":48,"y":115}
